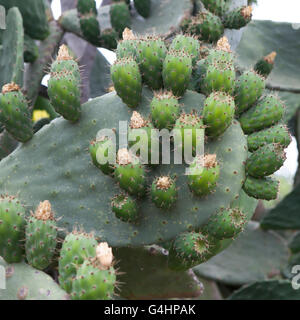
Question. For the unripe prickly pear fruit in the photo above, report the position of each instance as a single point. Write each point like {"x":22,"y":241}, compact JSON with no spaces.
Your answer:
{"x":276,"y":134}
{"x":188,"y":44}
{"x":264,"y":114}
{"x":125,"y":208}
{"x":86,"y":6}
{"x":128,"y":46}
{"x":41,"y":234}
{"x":226,"y":223}
{"x":14,"y":113}
{"x":218,"y":113}
{"x":262,"y":188}
{"x":96,"y":277}
{"x":90,"y":28}
{"x":143,"y":7}
{"x":203,"y":175}
{"x":238,"y":18}
{"x":127,"y":81}
{"x":151,"y":53}
{"x":215,"y":6}
{"x":130,"y":173}
{"x":177,"y":71}
{"x":164,"y":192}
{"x":12,"y":227}
{"x":265,"y":65}
{"x":165,"y":110}
{"x":120,"y":17}
{"x":109,"y":39}
{"x":249,"y":87}
{"x":77,"y":247}
{"x":265,"y":160}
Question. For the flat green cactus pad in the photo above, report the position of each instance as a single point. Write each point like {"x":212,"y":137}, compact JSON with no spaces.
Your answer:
{"x":62,"y":172}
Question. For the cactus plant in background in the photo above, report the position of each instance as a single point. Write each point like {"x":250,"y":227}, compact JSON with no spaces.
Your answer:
{"x":184,"y":86}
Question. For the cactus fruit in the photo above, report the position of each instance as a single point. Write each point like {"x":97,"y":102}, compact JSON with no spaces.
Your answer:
{"x":125,"y":208}
{"x":165,"y":110}
{"x":130,"y":173}
{"x":126,"y":48}
{"x":177,"y":71}
{"x":12,"y":226}
{"x":96,"y":277}
{"x":238,"y":18}
{"x":265,"y":160}
{"x":120,"y":17}
{"x":203,"y":175}
{"x":90,"y":28}
{"x":109,"y":38}
{"x":276,"y":134}
{"x":86,"y":6}
{"x":218,"y":113}
{"x":31,"y":50}
{"x":77,"y":247}
{"x":226,"y":223}
{"x":14,"y":113}
{"x":143,"y":7}
{"x":127,"y":81}
{"x":188,"y":44}
{"x":265,"y":65}
{"x":164,"y":192}
{"x":63,"y":86}
{"x":262,"y":188}
{"x":249,"y":87}
{"x":215,"y":6}
{"x":267,"y":112}
{"x":151,"y":53}
{"x":41,"y":234}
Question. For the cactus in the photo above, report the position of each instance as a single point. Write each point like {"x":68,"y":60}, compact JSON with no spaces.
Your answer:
{"x":86,"y":6}
{"x":120,"y":17}
{"x":238,"y":18}
{"x":265,"y":65}
{"x":125,"y":208}
{"x":164,"y":192}
{"x":90,"y":28}
{"x":261,"y":188}
{"x":143,"y":7}
{"x":215,"y":6}
{"x":31,"y":50}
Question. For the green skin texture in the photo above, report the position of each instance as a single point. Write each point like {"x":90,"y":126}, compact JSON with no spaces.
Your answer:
{"x":218,"y":113}
{"x":120,"y":17}
{"x":263,"y":67}
{"x":276,"y":134}
{"x":164,"y":198}
{"x":40,"y":242}
{"x":127,"y":81}
{"x":75,"y":249}
{"x":109,"y":39}
{"x":90,"y":29}
{"x":92,"y":283}
{"x":177,"y":72}
{"x":126,"y":48}
{"x":265,"y":160}
{"x":143,"y":7}
{"x":125,"y":208}
{"x":249,"y":88}
{"x":262,"y":188}
{"x":266,"y":113}
{"x":164,"y":111}
{"x":215,"y":6}
{"x":31,"y":50}
{"x":12,"y":225}
{"x":202,"y":180}
{"x":15,"y":115}
{"x":235,"y":20}
{"x":66,"y":67}
{"x":188,"y":44}
{"x":150,"y":56}
{"x":87,"y":6}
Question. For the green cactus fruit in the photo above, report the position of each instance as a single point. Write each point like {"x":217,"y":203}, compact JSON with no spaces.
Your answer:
{"x":267,"y":112}
{"x":96,"y":277}
{"x":265,"y":160}
{"x":190,"y":249}
{"x":125,"y":208}
{"x":109,"y":39}
{"x":165,"y":110}
{"x":151,"y":53}
{"x":31,"y":50}
{"x":143,"y":7}
{"x":189,"y":130}
{"x":14,"y":113}
{"x":12,"y":229}
{"x":203,"y":175}
{"x":126,"y":48}
{"x":265,"y":65}
{"x":215,"y":6}
{"x":249,"y":87}
{"x":206,"y":26}
{"x":262,"y":188}
{"x":277,"y":134}
{"x":185,"y":24}
{"x":218,"y":113}
{"x":86,"y":6}
{"x":238,"y":18}
{"x":177,"y":72}
{"x":90,"y":28}
{"x":41,"y":234}
{"x":220,"y":54}
{"x":164,"y":192}
{"x":130,"y":173}
{"x":127,"y":81}
{"x":226,"y":223}
{"x":77,"y":247}
{"x":120,"y":17}
{"x":187,"y":43}
{"x":99,"y":149}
